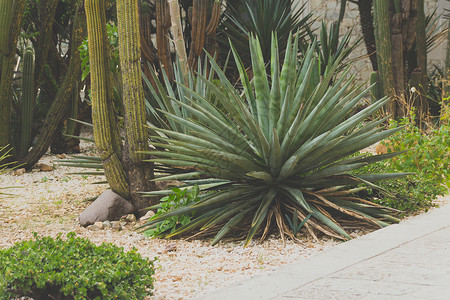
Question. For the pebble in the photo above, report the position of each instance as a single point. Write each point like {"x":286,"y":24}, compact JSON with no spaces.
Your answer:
{"x":93,"y":228}
{"x":99,"y":225}
{"x":44,"y":167}
{"x":130,"y":218}
{"x":19,"y":172}
{"x":147,"y":216}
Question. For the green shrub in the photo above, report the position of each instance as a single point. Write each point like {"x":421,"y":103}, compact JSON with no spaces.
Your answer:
{"x":47,"y":268}
{"x":427,"y":158}
{"x":179,"y":198}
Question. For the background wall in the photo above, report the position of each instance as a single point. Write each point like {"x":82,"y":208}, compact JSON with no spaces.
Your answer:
{"x":329,"y":11}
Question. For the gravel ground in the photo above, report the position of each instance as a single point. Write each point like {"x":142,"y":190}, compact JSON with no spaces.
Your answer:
{"x":49,"y":203}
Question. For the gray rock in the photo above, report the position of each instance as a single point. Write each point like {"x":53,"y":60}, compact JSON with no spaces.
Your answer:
{"x":108,"y":207}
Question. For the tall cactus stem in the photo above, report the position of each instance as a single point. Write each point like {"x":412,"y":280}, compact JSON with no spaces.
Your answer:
{"x":384,"y":54}
{"x":375,"y":91}
{"x":104,"y":128}
{"x":6,"y":12}
{"x":162,"y":36}
{"x":73,"y":110}
{"x":139,"y":173}
{"x":27,"y":101}
{"x":7,"y":69}
{"x":421,"y":50}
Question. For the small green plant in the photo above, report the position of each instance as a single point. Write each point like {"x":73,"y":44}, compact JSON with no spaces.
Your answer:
{"x":44,"y":179}
{"x":47,"y":268}
{"x":178,"y":199}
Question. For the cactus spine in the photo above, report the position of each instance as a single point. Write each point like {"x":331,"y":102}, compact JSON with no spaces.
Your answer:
{"x":384,"y":54}
{"x":105,"y":129}
{"x":27,"y":101}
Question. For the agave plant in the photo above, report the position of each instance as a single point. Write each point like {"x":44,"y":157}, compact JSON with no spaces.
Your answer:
{"x":261,"y":18}
{"x":282,"y":147}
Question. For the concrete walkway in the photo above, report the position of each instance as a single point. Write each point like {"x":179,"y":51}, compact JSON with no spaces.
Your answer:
{"x":410,"y":260}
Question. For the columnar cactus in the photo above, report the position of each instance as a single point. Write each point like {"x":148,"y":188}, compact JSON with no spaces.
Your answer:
{"x":6,"y":12}
{"x":73,"y":110}
{"x":421,"y":50}
{"x":27,"y":101}
{"x":375,"y":90}
{"x":106,"y":133}
{"x":7,"y":61}
{"x":162,"y":36}
{"x":384,"y":55}
{"x":201,"y":29}
{"x":136,"y":135}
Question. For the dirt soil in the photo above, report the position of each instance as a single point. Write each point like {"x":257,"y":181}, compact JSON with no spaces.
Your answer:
{"x":49,"y":203}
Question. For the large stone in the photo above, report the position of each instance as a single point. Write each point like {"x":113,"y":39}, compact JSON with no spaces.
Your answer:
{"x":108,"y":207}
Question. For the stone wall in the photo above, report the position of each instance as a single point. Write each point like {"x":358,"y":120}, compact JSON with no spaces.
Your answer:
{"x":329,"y":11}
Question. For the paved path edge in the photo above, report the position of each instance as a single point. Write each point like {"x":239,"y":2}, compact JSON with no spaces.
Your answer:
{"x":295,"y":275}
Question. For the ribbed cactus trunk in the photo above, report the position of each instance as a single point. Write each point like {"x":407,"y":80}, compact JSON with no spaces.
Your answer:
{"x":445,"y":108}
{"x":11,"y":13}
{"x":60,"y":104}
{"x":106,"y":132}
{"x":203,"y":29}
{"x":447,"y":66}
{"x":140,"y":174}
{"x":162,"y":36}
{"x":46,"y":10}
{"x":26,"y":119}
{"x":421,"y":50}
{"x":384,"y":54}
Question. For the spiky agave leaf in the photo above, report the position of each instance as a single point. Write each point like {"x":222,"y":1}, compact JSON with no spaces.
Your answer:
{"x":281,"y":146}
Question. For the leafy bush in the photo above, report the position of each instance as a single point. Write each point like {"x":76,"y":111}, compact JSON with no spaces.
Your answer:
{"x":75,"y":268}
{"x":280,"y":146}
{"x":427,"y":158}
{"x":179,"y":198}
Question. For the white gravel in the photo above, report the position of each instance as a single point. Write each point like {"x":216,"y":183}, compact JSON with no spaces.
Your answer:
{"x":49,"y":202}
